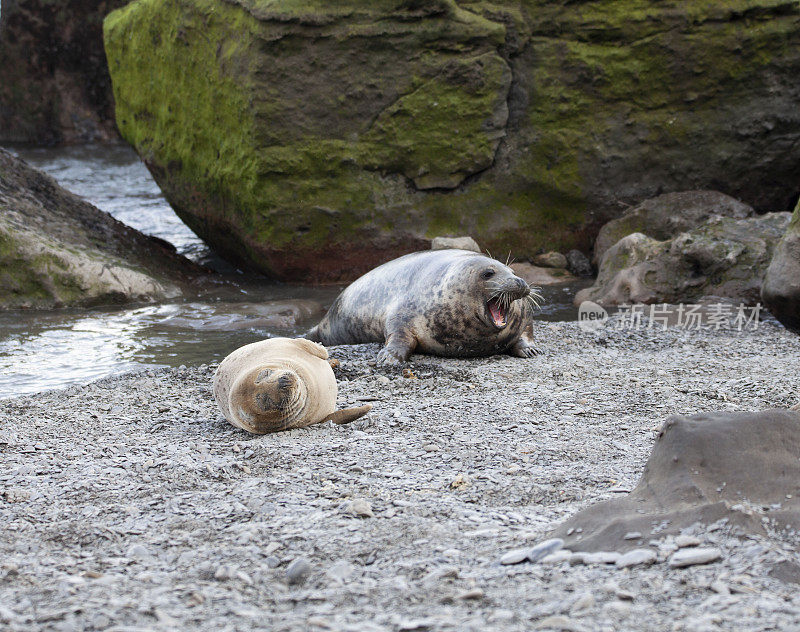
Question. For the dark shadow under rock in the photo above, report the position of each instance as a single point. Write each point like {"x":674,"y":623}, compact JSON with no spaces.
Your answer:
{"x":743,"y":467}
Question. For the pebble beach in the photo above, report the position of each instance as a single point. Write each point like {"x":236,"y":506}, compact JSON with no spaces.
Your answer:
{"x":129,"y":504}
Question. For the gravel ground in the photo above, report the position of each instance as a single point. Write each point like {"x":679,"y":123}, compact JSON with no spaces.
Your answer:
{"x":130,"y":504}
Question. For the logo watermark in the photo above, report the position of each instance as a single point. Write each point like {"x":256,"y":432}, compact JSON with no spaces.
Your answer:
{"x":591,"y":316}
{"x":714,"y":316}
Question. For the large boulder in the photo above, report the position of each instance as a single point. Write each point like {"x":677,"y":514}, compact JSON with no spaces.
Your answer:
{"x":57,"y":250}
{"x":781,"y":289}
{"x":724,"y":257}
{"x":668,"y":215}
{"x":54,"y":83}
{"x":315,"y":140}
{"x":738,"y":467}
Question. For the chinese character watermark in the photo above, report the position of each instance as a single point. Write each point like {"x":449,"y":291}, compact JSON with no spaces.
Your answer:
{"x":715,"y":316}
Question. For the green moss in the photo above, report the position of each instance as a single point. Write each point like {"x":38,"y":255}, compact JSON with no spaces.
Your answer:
{"x":283,"y":127}
{"x":439,"y":133}
{"x":40,"y":280}
{"x":795,"y":223}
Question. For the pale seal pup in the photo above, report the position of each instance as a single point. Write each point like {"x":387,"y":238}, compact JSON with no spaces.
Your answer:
{"x":278,"y":384}
{"x":453,"y":303}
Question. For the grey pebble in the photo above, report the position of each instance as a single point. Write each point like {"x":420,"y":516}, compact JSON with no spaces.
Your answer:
{"x":598,"y":557}
{"x":298,"y":570}
{"x":137,"y":552}
{"x":682,"y":541}
{"x":694,"y":556}
{"x":515,"y":556}
{"x":544,"y":549}
{"x":637,"y":557}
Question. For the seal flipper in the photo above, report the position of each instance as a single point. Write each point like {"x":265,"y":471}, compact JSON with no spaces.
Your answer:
{"x":400,"y":345}
{"x":312,"y":334}
{"x":346,"y":415}
{"x":312,"y":347}
{"x":524,"y":347}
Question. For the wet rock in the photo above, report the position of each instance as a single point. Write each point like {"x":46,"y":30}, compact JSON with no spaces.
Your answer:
{"x":695,"y":475}
{"x":536,"y":276}
{"x":550,"y":260}
{"x":331,"y":160}
{"x":459,"y":243}
{"x":694,"y":556}
{"x":58,"y":250}
{"x":781,"y":289}
{"x":723,"y":258}
{"x":579,"y":264}
{"x":666,"y":216}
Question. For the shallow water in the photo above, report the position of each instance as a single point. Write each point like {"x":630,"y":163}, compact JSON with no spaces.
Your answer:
{"x":46,"y":350}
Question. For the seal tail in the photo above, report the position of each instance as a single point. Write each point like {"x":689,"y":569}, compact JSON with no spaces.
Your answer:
{"x":313,"y":334}
{"x":346,"y":415}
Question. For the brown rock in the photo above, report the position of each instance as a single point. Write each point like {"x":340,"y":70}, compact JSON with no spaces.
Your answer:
{"x":695,"y":474}
{"x":534,"y":275}
{"x":781,"y":289}
{"x":550,"y":260}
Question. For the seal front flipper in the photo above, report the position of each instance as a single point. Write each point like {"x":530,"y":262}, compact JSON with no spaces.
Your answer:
{"x":312,"y":347}
{"x":399,"y":346}
{"x":524,"y":346}
{"x":346,"y":415}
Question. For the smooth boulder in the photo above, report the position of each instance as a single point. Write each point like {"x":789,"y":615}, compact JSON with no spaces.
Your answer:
{"x":667,"y":216}
{"x":314,"y":141}
{"x":739,"y":466}
{"x":724,"y":258}
{"x":57,"y":250}
{"x":781,"y":289}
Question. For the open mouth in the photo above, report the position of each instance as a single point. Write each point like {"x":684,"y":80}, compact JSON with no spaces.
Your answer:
{"x":497,"y":312}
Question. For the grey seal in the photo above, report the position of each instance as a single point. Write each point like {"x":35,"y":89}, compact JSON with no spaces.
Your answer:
{"x":454,"y":303}
{"x":278,"y":384}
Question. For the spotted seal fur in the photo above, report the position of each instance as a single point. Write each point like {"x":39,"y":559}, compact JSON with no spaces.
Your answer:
{"x":278,"y":384}
{"x":455,"y":303}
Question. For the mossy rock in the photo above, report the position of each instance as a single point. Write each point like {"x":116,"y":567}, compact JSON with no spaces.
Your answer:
{"x":313,"y":141}
{"x":724,"y":257}
{"x":668,"y":215}
{"x":781,"y":289}
{"x":56,"y":250}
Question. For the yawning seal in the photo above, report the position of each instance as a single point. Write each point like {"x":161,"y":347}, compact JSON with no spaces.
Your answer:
{"x":453,"y":303}
{"x":278,"y":384}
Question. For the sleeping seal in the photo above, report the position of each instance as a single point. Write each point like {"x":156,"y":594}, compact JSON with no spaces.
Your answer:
{"x":453,"y":303}
{"x":278,"y":384}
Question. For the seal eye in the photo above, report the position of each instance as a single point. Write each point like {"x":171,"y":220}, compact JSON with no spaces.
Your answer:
{"x":487,"y":274}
